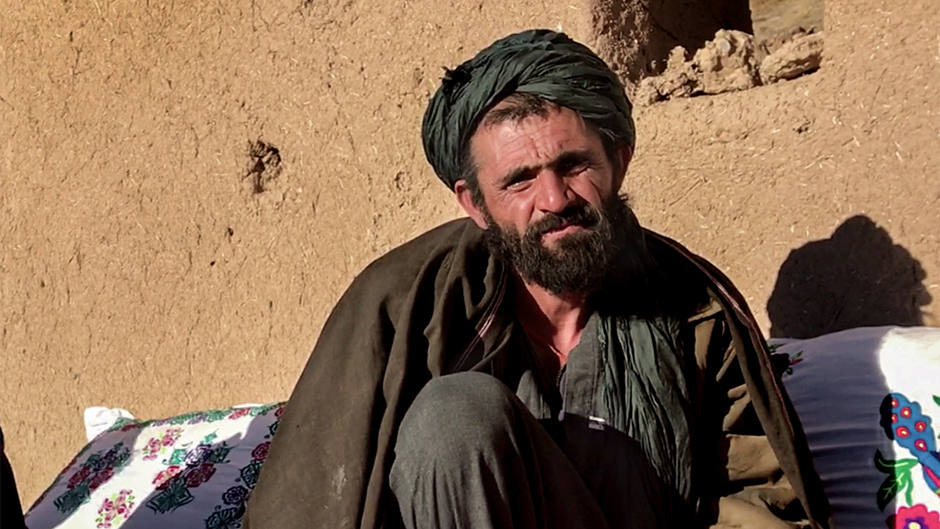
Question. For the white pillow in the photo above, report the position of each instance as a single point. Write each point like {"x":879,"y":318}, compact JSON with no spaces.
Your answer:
{"x":99,"y":418}
{"x":867,"y":399}
{"x":191,"y":471}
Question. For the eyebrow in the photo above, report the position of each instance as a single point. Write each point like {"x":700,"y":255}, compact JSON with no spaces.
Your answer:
{"x":567,"y":158}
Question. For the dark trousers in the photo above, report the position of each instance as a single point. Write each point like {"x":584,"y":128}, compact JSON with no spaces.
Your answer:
{"x":469,"y":454}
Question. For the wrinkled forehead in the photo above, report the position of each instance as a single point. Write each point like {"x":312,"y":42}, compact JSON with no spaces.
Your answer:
{"x":536,"y":140}
{"x":518,"y":106}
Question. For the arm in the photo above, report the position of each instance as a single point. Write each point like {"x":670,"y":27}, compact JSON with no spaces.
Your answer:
{"x":754,"y":465}
{"x":328,"y":464}
{"x":317,"y":472}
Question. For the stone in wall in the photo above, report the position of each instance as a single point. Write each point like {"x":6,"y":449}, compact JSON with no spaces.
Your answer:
{"x":802,"y":54}
{"x":730,"y":62}
{"x":725,"y":64}
{"x":636,"y":37}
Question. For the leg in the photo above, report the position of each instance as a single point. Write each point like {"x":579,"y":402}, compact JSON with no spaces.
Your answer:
{"x":618,"y":473}
{"x":470,"y":455}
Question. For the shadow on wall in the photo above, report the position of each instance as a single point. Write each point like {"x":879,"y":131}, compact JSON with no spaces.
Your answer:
{"x":857,"y":277}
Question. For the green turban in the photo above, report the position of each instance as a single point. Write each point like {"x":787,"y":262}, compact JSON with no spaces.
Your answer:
{"x":545,"y":63}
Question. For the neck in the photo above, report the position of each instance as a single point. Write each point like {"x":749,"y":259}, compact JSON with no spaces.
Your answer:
{"x":556,"y":321}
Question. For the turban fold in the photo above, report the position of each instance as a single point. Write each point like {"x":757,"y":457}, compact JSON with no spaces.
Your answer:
{"x":545,"y":63}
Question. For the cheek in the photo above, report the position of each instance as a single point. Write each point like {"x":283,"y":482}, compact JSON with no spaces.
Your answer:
{"x":520,"y":212}
{"x":604,"y":187}
{"x":592,"y":190}
{"x":515,"y":211}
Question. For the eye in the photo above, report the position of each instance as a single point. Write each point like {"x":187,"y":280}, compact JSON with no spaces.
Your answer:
{"x":519,"y":184}
{"x":518,"y":180}
{"x":574,"y":166}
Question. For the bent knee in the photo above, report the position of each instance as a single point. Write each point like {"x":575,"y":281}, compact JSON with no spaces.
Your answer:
{"x":455,"y":413}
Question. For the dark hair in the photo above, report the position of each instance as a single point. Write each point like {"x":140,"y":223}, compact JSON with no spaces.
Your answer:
{"x":516,"y":107}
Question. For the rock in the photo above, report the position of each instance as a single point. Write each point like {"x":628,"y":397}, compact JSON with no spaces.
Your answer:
{"x":801,"y":55}
{"x":677,"y":80}
{"x":763,"y":48}
{"x":726,"y":63}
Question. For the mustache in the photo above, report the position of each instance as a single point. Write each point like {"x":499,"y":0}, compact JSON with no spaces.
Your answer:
{"x":579,"y":215}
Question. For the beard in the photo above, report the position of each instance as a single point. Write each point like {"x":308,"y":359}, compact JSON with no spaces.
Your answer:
{"x":580,"y":262}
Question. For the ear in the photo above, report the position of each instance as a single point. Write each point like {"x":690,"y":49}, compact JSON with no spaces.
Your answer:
{"x":465,"y":199}
{"x":624,"y":155}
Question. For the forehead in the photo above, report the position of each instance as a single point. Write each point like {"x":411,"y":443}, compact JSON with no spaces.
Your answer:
{"x":502,"y":147}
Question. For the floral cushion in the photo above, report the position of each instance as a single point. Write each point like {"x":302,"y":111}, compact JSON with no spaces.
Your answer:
{"x":191,"y":471}
{"x":868,"y":399}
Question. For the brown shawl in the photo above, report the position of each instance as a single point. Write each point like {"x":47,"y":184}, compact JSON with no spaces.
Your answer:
{"x":418,"y":311}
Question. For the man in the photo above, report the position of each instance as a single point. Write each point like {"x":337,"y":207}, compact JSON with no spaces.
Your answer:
{"x":546,"y":363}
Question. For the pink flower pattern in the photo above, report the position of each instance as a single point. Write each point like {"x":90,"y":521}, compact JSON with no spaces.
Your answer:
{"x":101,"y":477}
{"x":79,"y":476}
{"x":115,"y":510}
{"x":156,"y":445}
{"x":165,"y":476}
{"x":915,"y":517}
{"x":260,"y":453}
{"x":200,"y":475}
{"x":239,"y":413}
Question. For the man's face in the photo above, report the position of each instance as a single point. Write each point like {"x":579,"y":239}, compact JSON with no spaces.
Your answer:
{"x":549,"y":191}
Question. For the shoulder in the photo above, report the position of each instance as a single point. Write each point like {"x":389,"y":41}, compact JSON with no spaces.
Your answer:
{"x":683,"y":284}
{"x":439,"y":253}
{"x":693,"y":272}
{"x":434,"y":247}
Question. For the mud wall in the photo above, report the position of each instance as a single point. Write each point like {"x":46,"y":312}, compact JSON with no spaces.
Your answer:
{"x":820,"y":196}
{"x":150,"y":262}
{"x":140,"y":267}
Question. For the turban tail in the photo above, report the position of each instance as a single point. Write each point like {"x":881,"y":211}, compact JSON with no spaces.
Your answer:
{"x":544,"y":63}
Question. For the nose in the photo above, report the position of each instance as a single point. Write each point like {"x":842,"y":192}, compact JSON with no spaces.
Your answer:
{"x":553,"y":194}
